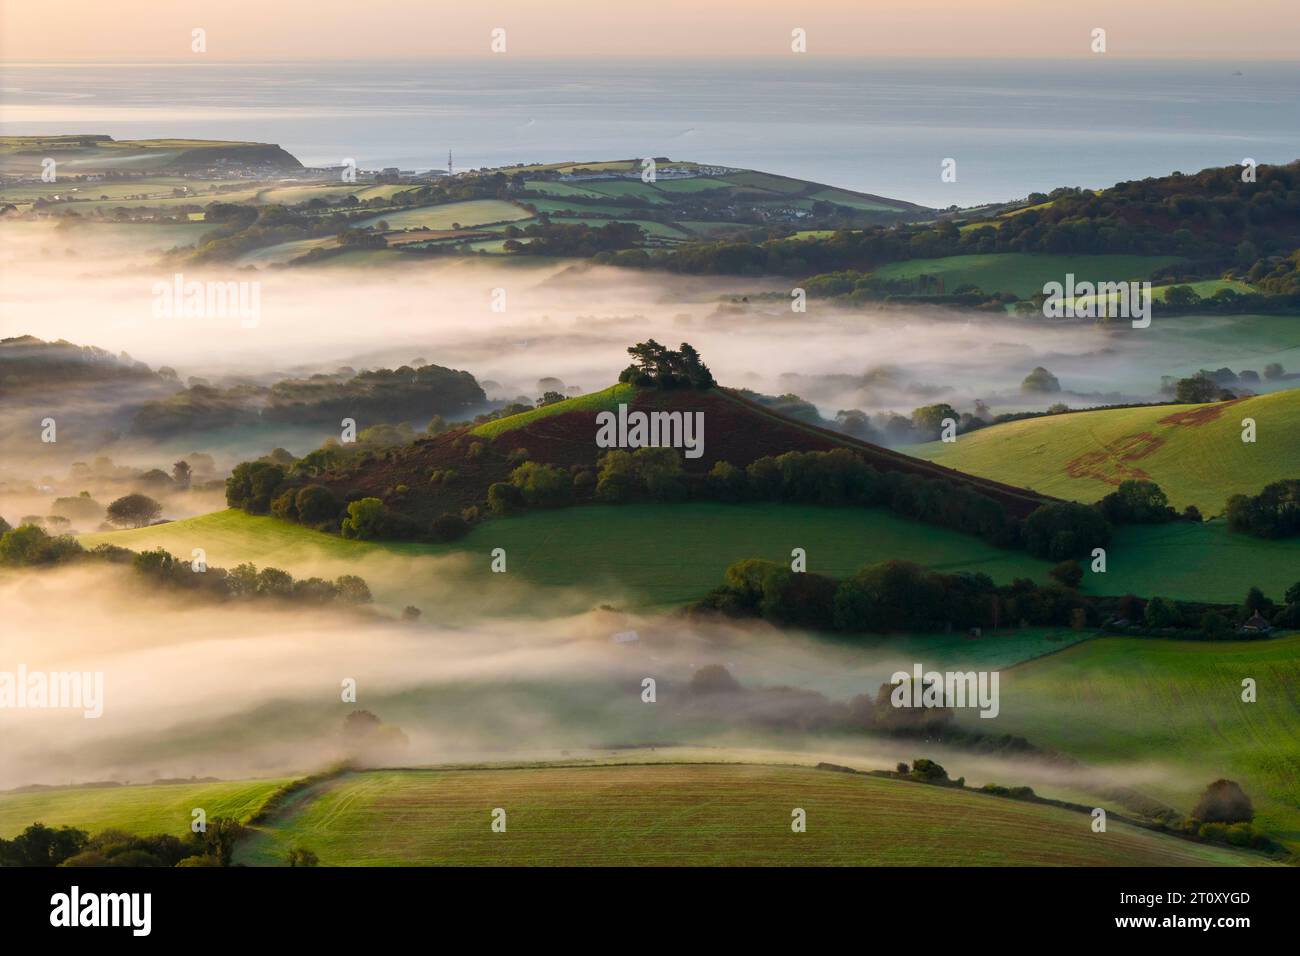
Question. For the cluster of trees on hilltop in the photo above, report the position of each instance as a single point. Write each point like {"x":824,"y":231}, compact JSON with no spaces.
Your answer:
{"x":657,"y":366}
{"x":1212,"y":218}
{"x":403,"y":394}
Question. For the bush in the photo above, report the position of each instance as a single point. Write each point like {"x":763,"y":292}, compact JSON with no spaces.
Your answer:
{"x":888,"y":596}
{"x":1065,"y":529}
{"x":1069,"y":573}
{"x":542,"y":486}
{"x":253,"y":485}
{"x":748,"y":577}
{"x":713,"y":679}
{"x":1224,"y":802}
{"x":449,"y":527}
{"x":1160,"y":614}
{"x":726,"y":482}
{"x":1137,"y":502}
{"x":301,"y":856}
{"x":367,"y":519}
{"x":352,"y":589}
{"x":316,"y":505}
{"x":285,"y":506}
{"x":928,"y":771}
{"x":505,"y":498}
{"x":802,"y":599}
{"x":30,"y":545}
{"x":1273,"y":513}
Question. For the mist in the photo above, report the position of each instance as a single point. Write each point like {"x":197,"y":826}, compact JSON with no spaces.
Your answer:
{"x":238,"y":691}
{"x":571,"y":322}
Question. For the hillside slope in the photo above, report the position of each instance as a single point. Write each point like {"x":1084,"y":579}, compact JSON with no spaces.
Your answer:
{"x":736,"y":430}
{"x":1172,"y":704}
{"x":693,"y":814}
{"x":1194,"y":452}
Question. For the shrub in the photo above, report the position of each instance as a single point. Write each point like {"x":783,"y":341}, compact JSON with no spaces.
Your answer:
{"x":316,"y":505}
{"x":505,"y":498}
{"x":366,"y":519}
{"x":30,"y":545}
{"x":1273,"y":513}
{"x":252,"y":485}
{"x":928,"y":771}
{"x":543,"y":486}
{"x":352,"y":589}
{"x":449,"y":527}
{"x":1137,"y":502}
{"x":1065,"y":529}
{"x":1160,"y":614}
{"x":1224,"y":802}
{"x":726,"y":482}
{"x":1069,"y":573}
{"x":285,"y":506}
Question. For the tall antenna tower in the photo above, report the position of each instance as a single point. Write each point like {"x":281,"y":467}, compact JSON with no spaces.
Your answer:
{"x":448,"y":162}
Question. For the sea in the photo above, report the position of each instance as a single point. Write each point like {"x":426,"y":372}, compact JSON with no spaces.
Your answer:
{"x":882,"y":126}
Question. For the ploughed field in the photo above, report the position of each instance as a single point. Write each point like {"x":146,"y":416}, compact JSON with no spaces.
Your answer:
{"x":1193,"y":452}
{"x":692,"y":814}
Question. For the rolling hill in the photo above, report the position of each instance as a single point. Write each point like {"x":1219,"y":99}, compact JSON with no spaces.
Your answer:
{"x":692,"y":814}
{"x":423,"y":213}
{"x":1194,"y":452}
{"x":736,"y":430}
{"x":97,"y":153}
{"x":660,"y":812}
{"x":1023,"y":273}
{"x":141,"y":809}
{"x":1174,"y":707}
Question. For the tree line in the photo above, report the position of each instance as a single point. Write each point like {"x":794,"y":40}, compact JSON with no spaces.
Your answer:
{"x":30,"y":546}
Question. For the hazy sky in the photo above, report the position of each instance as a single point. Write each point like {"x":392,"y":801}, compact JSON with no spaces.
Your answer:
{"x":256,"y":29}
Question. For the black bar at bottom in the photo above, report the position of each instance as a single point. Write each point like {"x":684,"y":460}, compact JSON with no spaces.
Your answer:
{"x":321,"y":904}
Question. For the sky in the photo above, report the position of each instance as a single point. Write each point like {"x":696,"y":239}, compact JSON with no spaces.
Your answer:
{"x":335,"y":29}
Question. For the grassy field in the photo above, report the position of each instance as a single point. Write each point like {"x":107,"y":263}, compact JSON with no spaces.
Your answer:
{"x":283,"y":251}
{"x":661,"y":230}
{"x":653,"y":555}
{"x":472,"y":212}
{"x":544,"y":188}
{"x":649,"y":554}
{"x":607,"y":399}
{"x":620,"y":188}
{"x":1194,"y":452}
{"x":145,"y":810}
{"x":1174,"y":710}
{"x":554,"y":206}
{"x":692,"y":814}
{"x":1024,"y":273}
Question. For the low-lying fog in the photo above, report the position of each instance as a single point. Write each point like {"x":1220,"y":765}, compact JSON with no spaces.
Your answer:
{"x":90,"y":285}
{"x":237,"y":691}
